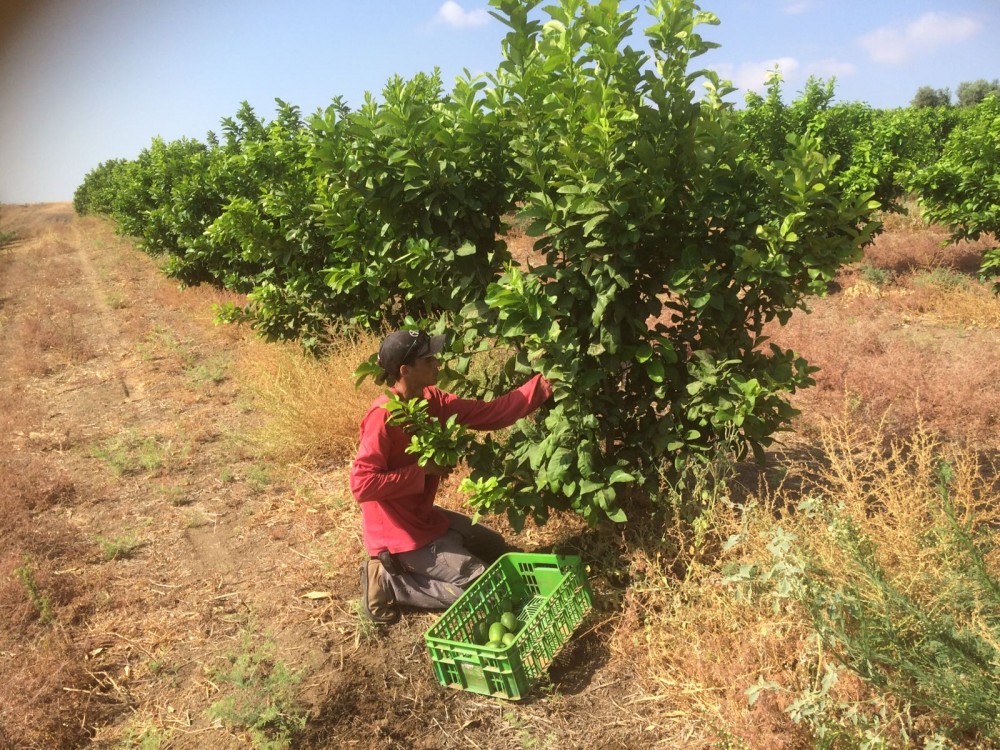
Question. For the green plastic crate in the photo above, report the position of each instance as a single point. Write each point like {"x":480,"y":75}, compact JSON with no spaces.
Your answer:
{"x":554,"y":596}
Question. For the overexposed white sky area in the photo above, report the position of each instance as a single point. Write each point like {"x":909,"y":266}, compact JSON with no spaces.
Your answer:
{"x":84,"y":81}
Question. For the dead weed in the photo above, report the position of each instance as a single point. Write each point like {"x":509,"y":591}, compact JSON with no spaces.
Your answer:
{"x":310,"y":406}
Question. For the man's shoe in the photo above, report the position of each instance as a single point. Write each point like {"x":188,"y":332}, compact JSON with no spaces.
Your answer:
{"x":377,"y":602}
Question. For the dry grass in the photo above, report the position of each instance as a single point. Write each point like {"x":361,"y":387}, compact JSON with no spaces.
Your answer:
{"x":311,"y":407}
{"x":925,"y":346}
{"x":698,"y":645}
{"x":44,"y":692}
{"x":46,"y":698}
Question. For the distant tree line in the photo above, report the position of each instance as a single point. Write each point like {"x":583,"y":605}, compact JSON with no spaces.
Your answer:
{"x":968,"y":94}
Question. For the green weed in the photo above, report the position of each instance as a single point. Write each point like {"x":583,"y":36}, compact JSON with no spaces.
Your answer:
{"x":128,"y":453}
{"x":195,"y":520}
{"x":208,"y":373}
{"x":942,"y":278}
{"x":143,"y":738}
{"x":176,"y":495}
{"x":876,"y":276}
{"x":365,"y":631}
{"x":119,"y":548}
{"x":158,"y":342}
{"x":38,"y":600}
{"x":116,"y":300}
{"x":260,"y":696}
{"x":258,"y":477}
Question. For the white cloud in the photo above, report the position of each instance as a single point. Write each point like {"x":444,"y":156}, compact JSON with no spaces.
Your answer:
{"x":752,"y":76}
{"x":795,"y":7}
{"x":830,"y":68}
{"x":895,"y":45}
{"x":452,"y":14}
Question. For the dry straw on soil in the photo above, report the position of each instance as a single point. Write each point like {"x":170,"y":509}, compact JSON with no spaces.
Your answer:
{"x":699,"y":641}
{"x":311,"y":407}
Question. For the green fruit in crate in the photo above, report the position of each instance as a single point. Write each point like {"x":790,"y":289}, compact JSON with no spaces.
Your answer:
{"x":509,"y":622}
{"x":497,"y":631}
{"x":508,"y":639}
{"x":481,"y":632}
{"x":496,"y":645}
{"x":507,"y":604}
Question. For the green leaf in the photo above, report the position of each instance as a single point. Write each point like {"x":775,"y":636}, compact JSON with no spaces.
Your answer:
{"x":655,"y":371}
{"x":616,"y":514}
{"x":619,"y":475}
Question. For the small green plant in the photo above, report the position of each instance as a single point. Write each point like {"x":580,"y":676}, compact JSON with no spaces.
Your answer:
{"x":130,"y":454}
{"x":261,"y":696}
{"x":116,"y":300}
{"x":119,"y":548}
{"x":526,"y":734}
{"x":258,"y":477}
{"x":226,"y":476}
{"x":876,"y":276}
{"x":39,"y":601}
{"x":7,"y":237}
{"x":176,"y":495}
{"x":942,"y":278}
{"x":195,"y":520}
{"x":143,"y":738}
{"x":208,"y":373}
{"x":433,"y":441}
{"x":156,"y":666}
{"x":367,"y":631}
{"x":159,"y":341}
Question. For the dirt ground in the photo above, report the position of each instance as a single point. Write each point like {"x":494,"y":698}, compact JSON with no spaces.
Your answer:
{"x":169,"y":552}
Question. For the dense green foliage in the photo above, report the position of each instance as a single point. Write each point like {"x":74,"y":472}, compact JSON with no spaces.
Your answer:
{"x":665,"y":249}
{"x":668,"y":231}
{"x":962,"y":188}
{"x":875,"y":150}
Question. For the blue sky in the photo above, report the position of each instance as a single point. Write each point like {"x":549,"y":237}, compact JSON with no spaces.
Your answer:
{"x":83,"y":81}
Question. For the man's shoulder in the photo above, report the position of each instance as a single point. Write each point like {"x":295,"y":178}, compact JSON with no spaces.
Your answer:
{"x":375,"y":408}
{"x":436,"y":397}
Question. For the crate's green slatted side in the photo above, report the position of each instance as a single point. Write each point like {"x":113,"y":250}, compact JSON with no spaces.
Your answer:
{"x":554,"y":598}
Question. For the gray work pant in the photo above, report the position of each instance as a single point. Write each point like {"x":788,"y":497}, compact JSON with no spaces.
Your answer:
{"x":435,"y":575}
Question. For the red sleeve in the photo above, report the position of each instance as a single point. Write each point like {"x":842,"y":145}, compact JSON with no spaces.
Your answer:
{"x":371,"y":476}
{"x":500,"y":412}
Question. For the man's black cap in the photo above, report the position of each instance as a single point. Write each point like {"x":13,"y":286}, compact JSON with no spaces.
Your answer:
{"x":404,"y":348}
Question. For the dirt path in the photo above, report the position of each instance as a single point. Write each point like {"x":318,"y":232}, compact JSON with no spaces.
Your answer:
{"x":121,"y":386}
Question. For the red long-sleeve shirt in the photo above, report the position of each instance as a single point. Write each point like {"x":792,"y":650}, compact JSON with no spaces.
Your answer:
{"x":396,"y":496}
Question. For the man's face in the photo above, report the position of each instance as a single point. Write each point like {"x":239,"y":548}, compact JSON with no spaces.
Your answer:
{"x":422,"y":373}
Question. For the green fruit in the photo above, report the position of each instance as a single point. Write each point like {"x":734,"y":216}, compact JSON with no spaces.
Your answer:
{"x":509,"y":622}
{"x":496,"y":645}
{"x":508,"y":639}
{"x":497,"y":631}
{"x":481,"y":632}
{"x":506,"y":604}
